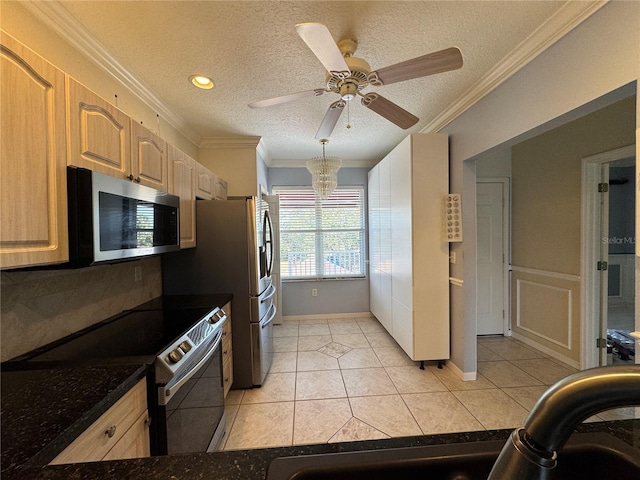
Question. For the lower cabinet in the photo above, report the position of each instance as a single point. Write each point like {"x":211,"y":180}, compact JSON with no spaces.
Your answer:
{"x":227,"y":352}
{"x":121,"y":432}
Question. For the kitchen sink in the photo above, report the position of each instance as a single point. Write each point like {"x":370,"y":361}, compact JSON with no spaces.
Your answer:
{"x":586,"y":456}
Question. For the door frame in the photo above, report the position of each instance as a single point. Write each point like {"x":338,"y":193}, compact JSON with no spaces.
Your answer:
{"x":506,"y":250}
{"x":590,"y":292}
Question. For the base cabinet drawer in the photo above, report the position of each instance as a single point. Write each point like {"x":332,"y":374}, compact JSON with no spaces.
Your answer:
{"x":121,"y":432}
{"x":227,"y":374}
{"x":227,"y":351}
{"x":134,"y":443}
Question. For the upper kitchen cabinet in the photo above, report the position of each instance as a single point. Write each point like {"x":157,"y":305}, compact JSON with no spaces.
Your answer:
{"x":99,"y":133}
{"x":220,"y":191}
{"x":182,"y":182}
{"x":209,"y":186}
{"x":149,"y":165}
{"x":238,"y":161}
{"x":410,"y":272}
{"x":32,"y":159}
{"x":205,"y":182}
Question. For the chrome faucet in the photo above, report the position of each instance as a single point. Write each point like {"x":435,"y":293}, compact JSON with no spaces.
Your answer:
{"x":531,"y":451}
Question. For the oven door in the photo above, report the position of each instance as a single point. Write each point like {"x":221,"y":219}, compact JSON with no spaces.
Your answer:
{"x":194,"y":405}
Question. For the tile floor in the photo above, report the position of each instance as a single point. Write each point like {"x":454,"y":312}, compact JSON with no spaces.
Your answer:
{"x":346,"y":379}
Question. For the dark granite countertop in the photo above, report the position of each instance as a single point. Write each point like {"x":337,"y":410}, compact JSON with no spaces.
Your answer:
{"x":252,"y":464}
{"x":44,"y":410}
{"x":45,"y":405}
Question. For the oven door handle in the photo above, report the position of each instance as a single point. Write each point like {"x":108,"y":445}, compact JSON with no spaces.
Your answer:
{"x":171,"y":389}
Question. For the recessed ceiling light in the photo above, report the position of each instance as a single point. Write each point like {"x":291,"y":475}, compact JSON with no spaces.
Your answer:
{"x":201,"y":81}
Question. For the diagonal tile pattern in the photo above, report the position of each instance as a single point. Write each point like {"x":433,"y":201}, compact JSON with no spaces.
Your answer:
{"x":346,"y":379}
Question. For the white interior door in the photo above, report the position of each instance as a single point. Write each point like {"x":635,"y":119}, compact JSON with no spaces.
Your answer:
{"x":490,"y":245}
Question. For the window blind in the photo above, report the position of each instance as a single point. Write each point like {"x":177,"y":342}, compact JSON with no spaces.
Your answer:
{"x":321,"y":238}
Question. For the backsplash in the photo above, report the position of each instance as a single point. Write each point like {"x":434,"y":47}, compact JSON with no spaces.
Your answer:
{"x":38,"y":307}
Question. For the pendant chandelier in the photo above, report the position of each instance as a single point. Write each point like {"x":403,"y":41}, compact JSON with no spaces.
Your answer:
{"x":324,"y":173}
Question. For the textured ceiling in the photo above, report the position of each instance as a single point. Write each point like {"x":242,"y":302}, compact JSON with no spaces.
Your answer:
{"x":252,"y":52}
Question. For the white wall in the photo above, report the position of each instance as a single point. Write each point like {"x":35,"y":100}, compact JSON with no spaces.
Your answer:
{"x":334,"y":296}
{"x":598,"y":57}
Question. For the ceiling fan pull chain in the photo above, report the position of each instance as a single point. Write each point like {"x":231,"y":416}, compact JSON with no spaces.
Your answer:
{"x":348,"y":116}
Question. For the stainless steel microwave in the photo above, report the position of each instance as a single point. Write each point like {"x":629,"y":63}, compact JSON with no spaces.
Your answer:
{"x":112,"y":220}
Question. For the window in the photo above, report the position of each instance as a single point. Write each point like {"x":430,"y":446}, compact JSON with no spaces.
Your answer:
{"x":321,"y":238}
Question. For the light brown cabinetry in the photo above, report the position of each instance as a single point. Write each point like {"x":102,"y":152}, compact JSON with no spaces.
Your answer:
{"x":220,"y":192}
{"x":205,"y":182}
{"x":121,"y":432}
{"x":32,"y":159}
{"x":149,"y":165}
{"x":99,"y":133}
{"x":227,"y":352}
{"x":182,"y":182}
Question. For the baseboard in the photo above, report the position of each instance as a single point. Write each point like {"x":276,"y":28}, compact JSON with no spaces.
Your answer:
{"x":465,"y":376}
{"x":546,"y":350}
{"x":328,"y":316}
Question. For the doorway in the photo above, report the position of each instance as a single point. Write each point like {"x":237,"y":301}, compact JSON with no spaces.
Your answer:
{"x":492,"y":228}
{"x":608,"y":196}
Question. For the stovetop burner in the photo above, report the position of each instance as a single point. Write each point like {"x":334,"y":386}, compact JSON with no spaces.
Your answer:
{"x":138,"y":334}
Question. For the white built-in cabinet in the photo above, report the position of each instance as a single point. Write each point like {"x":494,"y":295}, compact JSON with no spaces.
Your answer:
{"x":409,"y":261}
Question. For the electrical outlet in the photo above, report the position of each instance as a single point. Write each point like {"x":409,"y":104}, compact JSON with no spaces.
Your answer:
{"x":137,"y":272}
{"x":314,"y":292}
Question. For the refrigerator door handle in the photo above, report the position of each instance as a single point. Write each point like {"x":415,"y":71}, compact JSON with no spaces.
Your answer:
{"x":271,"y":291}
{"x":267,"y":322}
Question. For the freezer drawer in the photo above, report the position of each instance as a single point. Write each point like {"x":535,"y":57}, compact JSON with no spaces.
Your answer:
{"x":262,"y":304}
{"x":262,"y":346}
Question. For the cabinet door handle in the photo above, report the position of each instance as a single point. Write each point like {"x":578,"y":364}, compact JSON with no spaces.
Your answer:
{"x":130,"y":177}
{"x":147,"y":422}
{"x":111,"y":431}
{"x":137,"y":180}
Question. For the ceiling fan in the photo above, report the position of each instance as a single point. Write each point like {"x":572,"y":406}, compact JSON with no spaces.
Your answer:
{"x":348,"y":76}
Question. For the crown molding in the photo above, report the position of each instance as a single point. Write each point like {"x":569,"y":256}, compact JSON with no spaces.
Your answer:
{"x":264,"y":154}
{"x":230,"y":142}
{"x":568,"y":17}
{"x":55,"y":16}
{"x":303,"y":163}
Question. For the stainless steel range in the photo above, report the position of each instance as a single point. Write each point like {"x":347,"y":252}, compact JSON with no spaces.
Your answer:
{"x":180,"y":337}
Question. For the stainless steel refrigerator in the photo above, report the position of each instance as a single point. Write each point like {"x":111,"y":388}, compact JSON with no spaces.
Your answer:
{"x":233,"y":254}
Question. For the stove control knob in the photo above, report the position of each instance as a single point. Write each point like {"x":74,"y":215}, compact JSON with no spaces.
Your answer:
{"x":185,"y":346}
{"x":175,"y":355}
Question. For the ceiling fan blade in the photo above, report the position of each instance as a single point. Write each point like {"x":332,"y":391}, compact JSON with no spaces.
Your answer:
{"x":389,"y":110}
{"x":429,"y":64}
{"x":330,"y":119}
{"x":287,"y":98}
{"x":319,"y":40}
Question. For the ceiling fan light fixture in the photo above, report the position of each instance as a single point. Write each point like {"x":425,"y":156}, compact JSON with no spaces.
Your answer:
{"x":324,"y":173}
{"x":348,"y":91}
{"x":201,"y":81}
